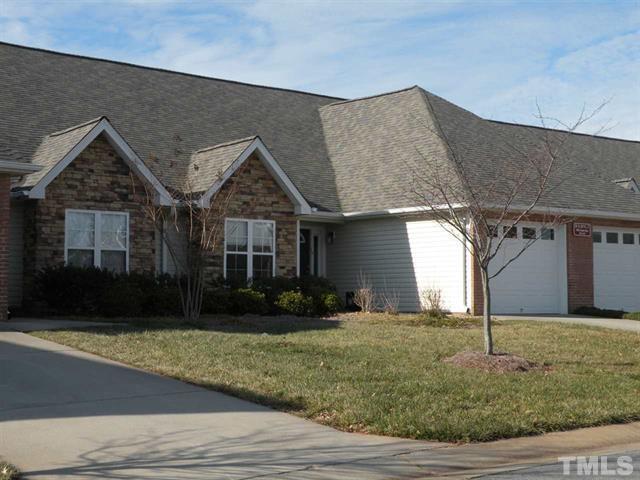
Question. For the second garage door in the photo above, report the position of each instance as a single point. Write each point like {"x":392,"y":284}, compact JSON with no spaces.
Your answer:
{"x":616,"y":268}
{"x":536,"y":281}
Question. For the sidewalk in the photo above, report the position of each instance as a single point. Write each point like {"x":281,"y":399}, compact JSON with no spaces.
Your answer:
{"x":614,"y":323}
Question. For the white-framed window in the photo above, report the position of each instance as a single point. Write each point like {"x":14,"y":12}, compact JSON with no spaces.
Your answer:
{"x":97,"y":239}
{"x":249,"y":249}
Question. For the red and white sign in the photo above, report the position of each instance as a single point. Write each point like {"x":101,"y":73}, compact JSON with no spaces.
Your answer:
{"x":581,"y":229}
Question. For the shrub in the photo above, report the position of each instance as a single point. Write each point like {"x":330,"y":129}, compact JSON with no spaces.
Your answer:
{"x":295,"y":303}
{"x":273,"y":287}
{"x":68,"y":290}
{"x":121,"y":299}
{"x":632,"y":316}
{"x":431,"y":302}
{"x":599,"y":312}
{"x":330,"y":304}
{"x":216,"y":300}
{"x":72,"y":290}
{"x":247,"y":300}
{"x":315,"y":287}
{"x":364,"y":297}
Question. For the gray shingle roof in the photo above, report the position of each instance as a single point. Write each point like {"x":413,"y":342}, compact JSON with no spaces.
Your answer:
{"x":353,"y":155}
{"x":208,"y":165}
{"x":8,"y":154}
{"x":54,"y":148}
{"x":163,"y":115}
{"x":375,"y":143}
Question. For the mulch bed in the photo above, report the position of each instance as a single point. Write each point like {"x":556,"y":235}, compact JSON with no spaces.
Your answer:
{"x":497,"y":363}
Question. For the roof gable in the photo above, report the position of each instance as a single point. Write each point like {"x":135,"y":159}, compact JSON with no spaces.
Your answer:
{"x":59,"y":149}
{"x":232,"y":155}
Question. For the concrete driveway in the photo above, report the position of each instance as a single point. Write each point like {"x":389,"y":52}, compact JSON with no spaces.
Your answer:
{"x":614,"y":323}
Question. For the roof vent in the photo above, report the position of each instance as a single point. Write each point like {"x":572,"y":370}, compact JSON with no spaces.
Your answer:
{"x":628,"y":183}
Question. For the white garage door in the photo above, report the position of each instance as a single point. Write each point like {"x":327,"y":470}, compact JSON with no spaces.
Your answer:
{"x":616,"y":268}
{"x":536,"y":281}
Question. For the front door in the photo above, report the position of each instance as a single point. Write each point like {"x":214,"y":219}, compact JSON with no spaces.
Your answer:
{"x":311,"y":252}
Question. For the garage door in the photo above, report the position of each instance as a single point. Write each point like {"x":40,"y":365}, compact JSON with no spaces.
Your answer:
{"x":616,"y":268}
{"x":536,"y":281}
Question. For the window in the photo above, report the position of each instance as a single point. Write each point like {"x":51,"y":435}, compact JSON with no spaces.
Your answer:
{"x":249,"y":249}
{"x":597,"y":237}
{"x":493,"y":231}
{"x":510,"y":232}
{"x":97,"y":239}
{"x":612,"y":237}
{"x":628,"y":238}
{"x":547,"y":234}
{"x":528,"y":233}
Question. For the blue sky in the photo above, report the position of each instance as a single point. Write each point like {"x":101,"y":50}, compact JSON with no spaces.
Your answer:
{"x":495,"y":58}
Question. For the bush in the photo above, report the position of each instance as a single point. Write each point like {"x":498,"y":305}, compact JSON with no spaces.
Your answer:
{"x":632,"y":316}
{"x":295,"y":303}
{"x":274,"y":287}
{"x":599,"y":312}
{"x":216,"y":300}
{"x":317,"y":288}
{"x":68,"y":290}
{"x":431,"y":302}
{"x":330,"y":304}
{"x":247,"y":300}
{"x":121,"y":299}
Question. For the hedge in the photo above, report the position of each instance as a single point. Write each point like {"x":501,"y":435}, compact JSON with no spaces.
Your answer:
{"x":68,"y":290}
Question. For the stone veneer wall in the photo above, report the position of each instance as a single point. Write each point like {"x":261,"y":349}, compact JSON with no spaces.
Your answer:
{"x":257,"y":196}
{"x":98,"y":179}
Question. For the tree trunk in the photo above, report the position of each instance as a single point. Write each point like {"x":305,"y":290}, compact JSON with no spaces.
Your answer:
{"x":486,"y":294}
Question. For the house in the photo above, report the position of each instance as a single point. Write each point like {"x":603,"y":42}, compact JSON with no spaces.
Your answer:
{"x":324,"y":188}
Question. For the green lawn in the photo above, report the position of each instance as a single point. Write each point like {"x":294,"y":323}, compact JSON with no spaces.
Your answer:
{"x":384,"y":375}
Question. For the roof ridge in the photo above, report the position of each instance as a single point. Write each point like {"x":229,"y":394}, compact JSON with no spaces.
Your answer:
{"x":164,"y":70}
{"x":341,"y":102}
{"x":562,"y":131}
{"x":75,"y":127}
{"x":226,"y":144}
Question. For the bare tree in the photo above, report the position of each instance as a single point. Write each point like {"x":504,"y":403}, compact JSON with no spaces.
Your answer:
{"x":483,"y":212}
{"x":192,"y":232}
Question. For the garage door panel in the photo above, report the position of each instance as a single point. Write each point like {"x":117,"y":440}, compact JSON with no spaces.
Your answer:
{"x":616,"y":270}
{"x":531,"y":283}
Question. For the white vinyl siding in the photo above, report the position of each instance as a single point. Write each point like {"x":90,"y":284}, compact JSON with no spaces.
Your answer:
{"x":16,"y":252}
{"x":400,"y":256}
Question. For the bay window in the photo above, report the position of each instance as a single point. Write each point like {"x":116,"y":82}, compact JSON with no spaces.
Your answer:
{"x":249,"y":249}
{"x":97,"y":239}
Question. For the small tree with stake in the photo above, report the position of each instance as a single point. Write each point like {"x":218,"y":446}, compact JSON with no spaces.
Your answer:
{"x":483,"y":212}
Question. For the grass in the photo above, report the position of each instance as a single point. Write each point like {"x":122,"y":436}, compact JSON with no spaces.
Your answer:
{"x":8,"y":471}
{"x":632,"y":316}
{"x":384,"y":374}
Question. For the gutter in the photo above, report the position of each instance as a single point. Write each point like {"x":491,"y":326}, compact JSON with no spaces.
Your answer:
{"x":361,"y":215}
{"x":18,"y":168}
